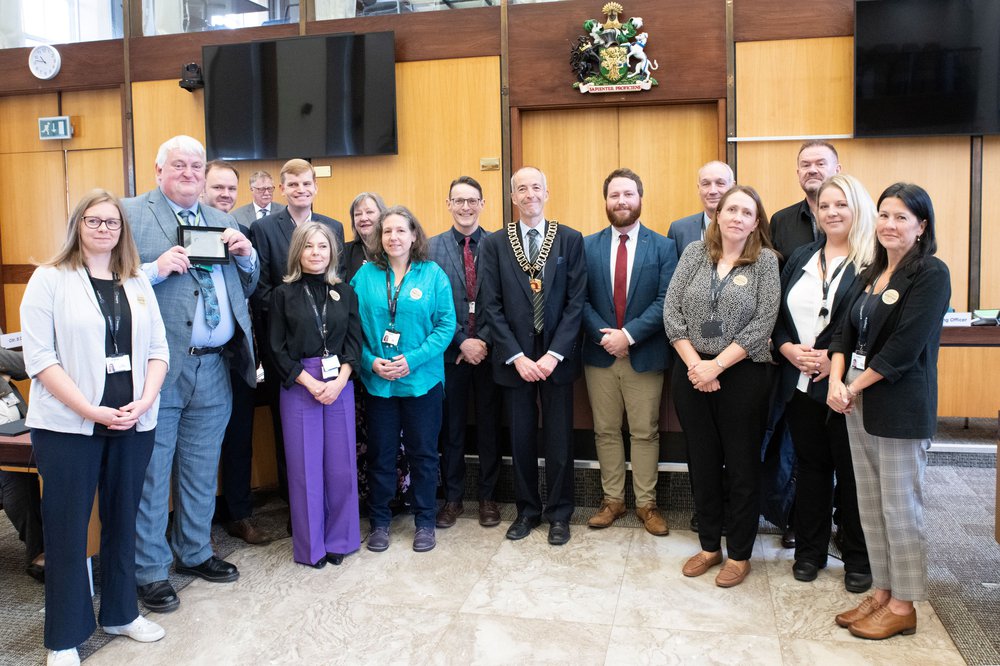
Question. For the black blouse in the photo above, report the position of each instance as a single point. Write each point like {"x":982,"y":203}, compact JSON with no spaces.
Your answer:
{"x":117,"y":386}
{"x":294,"y":330}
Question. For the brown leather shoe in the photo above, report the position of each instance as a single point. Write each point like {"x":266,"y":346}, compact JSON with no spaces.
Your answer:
{"x":733,"y":573}
{"x":247,"y":530}
{"x":489,"y":513}
{"x":610,"y":511}
{"x":448,"y":514}
{"x":654,"y":521}
{"x":700,"y":563}
{"x":867,"y":606}
{"x":883,"y":623}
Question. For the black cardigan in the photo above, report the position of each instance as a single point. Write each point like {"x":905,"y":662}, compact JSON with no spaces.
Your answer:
{"x":905,"y":338}
{"x":784,"y":327}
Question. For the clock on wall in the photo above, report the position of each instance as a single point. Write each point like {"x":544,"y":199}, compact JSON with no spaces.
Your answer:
{"x":44,"y":61}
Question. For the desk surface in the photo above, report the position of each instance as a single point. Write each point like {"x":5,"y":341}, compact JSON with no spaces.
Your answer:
{"x":16,"y":451}
{"x":970,"y":336}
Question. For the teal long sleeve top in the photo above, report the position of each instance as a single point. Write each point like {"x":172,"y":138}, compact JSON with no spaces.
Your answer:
{"x":425,"y":321}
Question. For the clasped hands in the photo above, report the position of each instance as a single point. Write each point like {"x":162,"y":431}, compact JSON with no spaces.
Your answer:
{"x":391,"y":369}
{"x":704,"y":375}
{"x":535,"y":371}
{"x":123,"y":418}
{"x":812,"y":362}
{"x":839,"y":398}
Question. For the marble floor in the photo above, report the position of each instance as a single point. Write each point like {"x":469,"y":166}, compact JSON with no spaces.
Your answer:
{"x":613,"y":596}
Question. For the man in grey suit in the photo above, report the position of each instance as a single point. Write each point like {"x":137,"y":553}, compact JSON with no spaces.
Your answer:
{"x":714,"y":179}
{"x":467,"y":368}
{"x":208,"y":330}
{"x":629,"y":267}
{"x":263,"y":204}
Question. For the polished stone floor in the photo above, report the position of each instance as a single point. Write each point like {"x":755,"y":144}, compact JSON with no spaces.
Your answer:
{"x":613,"y":596}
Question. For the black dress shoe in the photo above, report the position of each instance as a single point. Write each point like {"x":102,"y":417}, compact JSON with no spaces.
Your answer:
{"x":857,"y":582}
{"x":788,"y":538}
{"x":319,"y":564}
{"x":694,"y":522}
{"x":804,"y":571}
{"x":522,"y":527}
{"x":558,"y":532}
{"x":213,"y":570}
{"x":36,"y":571}
{"x":158,"y":596}
{"x":334,"y":558}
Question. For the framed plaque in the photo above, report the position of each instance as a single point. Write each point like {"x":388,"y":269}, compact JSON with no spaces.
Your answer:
{"x":204,"y":244}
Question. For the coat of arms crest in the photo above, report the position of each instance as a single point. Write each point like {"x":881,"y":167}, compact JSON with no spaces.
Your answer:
{"x":611,"y":56}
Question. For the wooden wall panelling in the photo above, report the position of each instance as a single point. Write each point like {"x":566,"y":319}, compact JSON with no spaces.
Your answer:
{"x":938,"y":164}
{"x":32,"y":218}
{"x":97,"y":116}
{"x":85,"y":65}
{"x":19,"y":122}
{"x":959,"y":369}
{"x":758,"y":20}
{"x":666,"y":145}
{"x":576,"y":149}
{"x":12,"y":295}
{"x":687,"y":39}
{"x":795,"y":87}
{"x":989,"y":281}
{"x":160,"y":110}
{"x":87,"y":169}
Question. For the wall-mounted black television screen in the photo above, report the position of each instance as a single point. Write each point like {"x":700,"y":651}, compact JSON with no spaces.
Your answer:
{"x":324,"y":96}
{"x":926,"y":67}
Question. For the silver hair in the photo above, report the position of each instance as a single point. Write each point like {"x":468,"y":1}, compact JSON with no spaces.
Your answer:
{"x":181,"y":143}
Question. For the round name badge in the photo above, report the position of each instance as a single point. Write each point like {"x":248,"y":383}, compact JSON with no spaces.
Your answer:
{"x":334,"y":295}
{"x":890,"y":296}
{"x":415,"y":294}
{"x":740,"y":280}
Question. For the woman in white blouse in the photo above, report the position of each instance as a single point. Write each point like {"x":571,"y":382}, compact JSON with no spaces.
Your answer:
{"x":817,"y":283}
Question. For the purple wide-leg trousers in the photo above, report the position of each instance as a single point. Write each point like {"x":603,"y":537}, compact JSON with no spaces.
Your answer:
{"x":322,"y":471}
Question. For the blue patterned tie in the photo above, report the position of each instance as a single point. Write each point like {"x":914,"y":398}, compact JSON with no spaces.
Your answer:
{"x":537,"y":297}
{"x":204,"y":277}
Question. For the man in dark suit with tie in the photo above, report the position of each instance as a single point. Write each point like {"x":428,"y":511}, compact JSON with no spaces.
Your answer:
{"x":263,"y":204}
{"x":714,"y":180}
{"x":205,"y":311}
{"x":629,"y":267}
{"x":534,"y":287}
{"x":467,"y":371}
{"x":271,"y":237}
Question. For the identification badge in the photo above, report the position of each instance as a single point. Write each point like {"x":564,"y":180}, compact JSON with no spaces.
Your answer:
{"x":857,"y":361}
{"x":711,"y":329}
{"x":10,"y":400}
{"x":390,"y":338}
{"x":472,"y":307}
{"x":890,"y":296}
{"x":330,"y":366}
{"x":740,"y":280}
{"x":120,"y":363}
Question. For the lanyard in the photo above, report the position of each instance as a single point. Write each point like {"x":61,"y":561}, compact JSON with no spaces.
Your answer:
{"x":320,"y":317}
{"x":718,"y":285}
{"x":393,"y":298}
{"x":824,"y":311}
{"x":115,"y":319}
{"x":863,"y":318}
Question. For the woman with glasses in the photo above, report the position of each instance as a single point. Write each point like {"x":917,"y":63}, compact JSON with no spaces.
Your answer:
{"x":816,"y":284}
{"x":95,"y":346}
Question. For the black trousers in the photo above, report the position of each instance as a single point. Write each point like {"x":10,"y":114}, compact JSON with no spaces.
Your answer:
{"x":272,"y":392}
{"x":463,"y":382}
{"x":21,"y":501}
{"x":236,"y":460}
{"x":823,"y":449}
{"x":724,"y":431}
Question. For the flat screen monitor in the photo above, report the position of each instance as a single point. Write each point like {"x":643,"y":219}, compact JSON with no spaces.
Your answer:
{"x":926,"y":67}
{"x":325,"y":96}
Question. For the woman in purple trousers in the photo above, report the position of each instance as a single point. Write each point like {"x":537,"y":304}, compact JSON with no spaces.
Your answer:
{"x":315,"y":335}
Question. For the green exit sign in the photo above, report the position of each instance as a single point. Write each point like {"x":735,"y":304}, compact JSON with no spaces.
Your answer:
{"x":56,"y":127}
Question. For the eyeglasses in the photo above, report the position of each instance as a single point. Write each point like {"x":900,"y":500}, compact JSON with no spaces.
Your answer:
{"x":269,"y":190}
{"x":472,"y":203}
{"x":112,"y":223}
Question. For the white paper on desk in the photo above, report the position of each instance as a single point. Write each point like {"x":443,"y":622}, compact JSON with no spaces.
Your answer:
{"x":10,"y":340}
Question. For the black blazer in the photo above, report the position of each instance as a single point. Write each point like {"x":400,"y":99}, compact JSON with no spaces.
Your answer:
{"x":353,"y":257}
{"x":271,"y":235}
{"x":506,"y":298}
{"x":784,"y":327}
{"x":905,"y":337}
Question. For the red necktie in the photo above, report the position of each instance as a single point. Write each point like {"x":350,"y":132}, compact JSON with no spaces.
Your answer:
{"x":621,"y":279}
{"x":470,"y":282}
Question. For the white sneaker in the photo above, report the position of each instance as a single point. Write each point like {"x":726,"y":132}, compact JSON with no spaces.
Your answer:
{"x":140,"y":629}
{"x":63,"y":658}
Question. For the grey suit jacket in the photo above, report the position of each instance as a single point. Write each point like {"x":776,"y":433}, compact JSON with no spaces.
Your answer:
{"x":247,"y":215}
{"x":446,"y":253}
{"x":155,"y":228}
{"x":685,"y":231}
